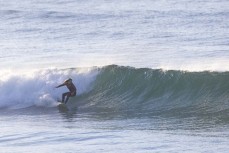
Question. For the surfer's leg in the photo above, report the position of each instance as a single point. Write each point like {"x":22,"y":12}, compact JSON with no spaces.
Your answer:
{"x":68,"y":94}
{"x":66,"y":99}
{"x":63,"y":96}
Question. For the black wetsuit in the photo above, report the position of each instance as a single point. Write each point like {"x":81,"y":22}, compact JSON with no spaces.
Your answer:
{"x":72,"y":91}
{"x":71,"y":87}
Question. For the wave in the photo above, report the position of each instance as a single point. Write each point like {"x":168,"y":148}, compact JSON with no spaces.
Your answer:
{"x":146,"y":91}
{"x":123,"y":90}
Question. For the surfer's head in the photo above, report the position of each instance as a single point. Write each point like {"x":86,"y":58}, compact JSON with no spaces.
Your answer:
{"x":68,"y":81}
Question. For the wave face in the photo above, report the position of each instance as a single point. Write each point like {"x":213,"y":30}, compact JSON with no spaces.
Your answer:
{"x":118,"y":90}
{"x":148,"y":91}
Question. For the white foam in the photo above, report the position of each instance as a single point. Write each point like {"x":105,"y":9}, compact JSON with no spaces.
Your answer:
{"x":37,"y":88}
{"x":219,"y":65}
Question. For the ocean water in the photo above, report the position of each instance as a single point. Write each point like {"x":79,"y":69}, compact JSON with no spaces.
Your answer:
{"x":151,"y":76}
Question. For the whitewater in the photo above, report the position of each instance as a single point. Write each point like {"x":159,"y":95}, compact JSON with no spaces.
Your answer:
{"x":151,"y":76}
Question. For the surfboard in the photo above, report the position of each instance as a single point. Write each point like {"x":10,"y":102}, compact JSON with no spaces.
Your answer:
{"x":62,"y":107}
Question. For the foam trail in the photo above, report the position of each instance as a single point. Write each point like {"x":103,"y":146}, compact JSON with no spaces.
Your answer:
{"x":37,"y":88}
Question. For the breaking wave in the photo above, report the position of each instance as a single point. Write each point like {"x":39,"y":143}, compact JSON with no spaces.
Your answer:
{"x":123,"y":90}
{"x":37,"y":88}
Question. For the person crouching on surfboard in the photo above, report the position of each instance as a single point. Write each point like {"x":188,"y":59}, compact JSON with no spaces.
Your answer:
{"x":71,"y":87}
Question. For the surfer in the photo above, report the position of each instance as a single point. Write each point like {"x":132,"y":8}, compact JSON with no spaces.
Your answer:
{"x":72,"y":90}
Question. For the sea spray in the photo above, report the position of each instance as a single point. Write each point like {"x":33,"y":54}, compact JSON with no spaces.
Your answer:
{"x":20,"y":90}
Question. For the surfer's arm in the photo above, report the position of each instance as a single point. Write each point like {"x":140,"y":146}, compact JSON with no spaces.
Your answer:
{"x":60,"y":85}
